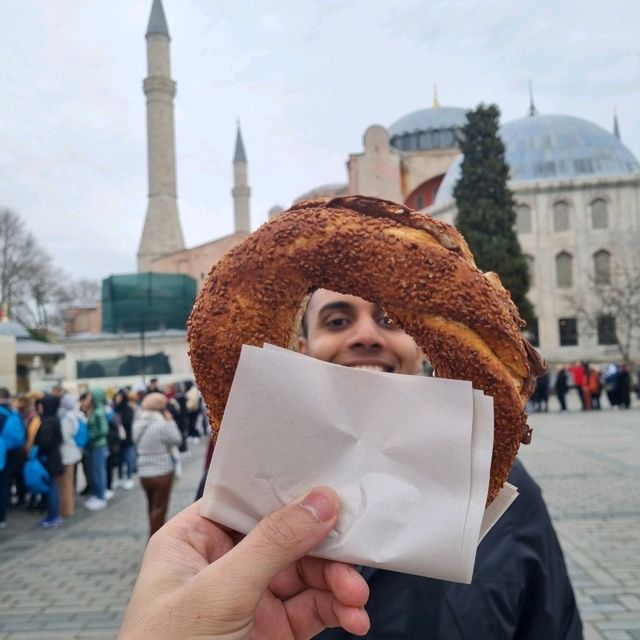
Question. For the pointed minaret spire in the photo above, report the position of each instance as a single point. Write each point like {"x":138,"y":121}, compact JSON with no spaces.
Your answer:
{"x":162,"y":233}
{"x":532,"y":107}
{"x":436,"y":103}
{"x":616,"y":127}
{"x":241,"y":191}
{"x":157,"y":21}
{"x":239,"y":154}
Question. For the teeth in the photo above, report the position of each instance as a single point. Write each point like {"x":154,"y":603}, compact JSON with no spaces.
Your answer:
{"x":369,"y":367}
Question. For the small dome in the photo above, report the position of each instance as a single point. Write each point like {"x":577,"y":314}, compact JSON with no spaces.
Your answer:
{"x":428,"y":119}
{"x":275,"y":211}
{"x":434,"y":128}
{"x":548,"y":147}
{"x":13,"y":328}
{"x":324,"y":191}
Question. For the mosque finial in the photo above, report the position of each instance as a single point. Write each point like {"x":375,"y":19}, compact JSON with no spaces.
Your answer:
{"x":436,"y":103}
{"x":616,"y":127}
{"x":532,"y":107}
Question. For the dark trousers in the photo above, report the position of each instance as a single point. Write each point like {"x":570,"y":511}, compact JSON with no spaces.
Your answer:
{"x":158,"y":490}
{"x":561,"y":400}
{"x":6,"y":476}
{"x":113,"y":461}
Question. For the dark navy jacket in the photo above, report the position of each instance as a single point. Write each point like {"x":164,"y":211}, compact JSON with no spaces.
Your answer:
{"x":520,"y":588}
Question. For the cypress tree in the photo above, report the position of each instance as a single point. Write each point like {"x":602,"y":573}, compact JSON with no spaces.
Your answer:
{"x":486,"y":214}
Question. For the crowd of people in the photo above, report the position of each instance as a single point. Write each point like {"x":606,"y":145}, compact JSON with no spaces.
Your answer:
{"x":139,"y":430}
{"x":590,"y":383}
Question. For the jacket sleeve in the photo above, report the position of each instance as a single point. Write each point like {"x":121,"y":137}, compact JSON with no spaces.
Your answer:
{"x":172,"y":434}
{"x":520,"y":588}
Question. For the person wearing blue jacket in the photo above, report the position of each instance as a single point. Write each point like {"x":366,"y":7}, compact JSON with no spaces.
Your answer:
{"x":12,"y":436}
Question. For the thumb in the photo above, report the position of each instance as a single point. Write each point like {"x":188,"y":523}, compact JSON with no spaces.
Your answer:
{"x":280,"y":539}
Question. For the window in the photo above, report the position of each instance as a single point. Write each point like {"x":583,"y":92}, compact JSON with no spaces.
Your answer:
{"x":602,"y":267}
{"x":599,"y":214}
{"x":523,"y":219}
{"x":561,"y":216}
{"x":564,"y":270}
{"x":568,"y":332}
{"x":532,"y":332}
{"x":531,"y":269}
{"x":606,"y":330}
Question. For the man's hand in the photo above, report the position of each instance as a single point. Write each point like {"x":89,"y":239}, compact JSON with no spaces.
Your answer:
{"x":196,"y":582}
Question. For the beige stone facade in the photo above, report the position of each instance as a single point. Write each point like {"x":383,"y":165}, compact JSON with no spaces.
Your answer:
{"x":197,"y":261}
{"x":105,"y":346}
{"x":383,"y":171}
{"x":83,"y":320}
{"x":544,"y":237}
{"x":8,"y":360}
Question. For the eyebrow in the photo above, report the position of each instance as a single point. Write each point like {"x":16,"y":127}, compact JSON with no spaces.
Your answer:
{"x":332,"y":306}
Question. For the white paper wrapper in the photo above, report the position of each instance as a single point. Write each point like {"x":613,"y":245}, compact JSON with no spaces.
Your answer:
{"x":409,"y":457}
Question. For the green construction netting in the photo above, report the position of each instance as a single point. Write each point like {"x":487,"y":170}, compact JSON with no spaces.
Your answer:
{"x":147,"y":302}
{"x":123,"y":366}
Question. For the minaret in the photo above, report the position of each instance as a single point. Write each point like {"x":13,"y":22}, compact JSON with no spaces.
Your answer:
{"x":162,"y":233}
{"x":240,"y":191}
{"x":616,"y":127}
{"x":532,"y":107}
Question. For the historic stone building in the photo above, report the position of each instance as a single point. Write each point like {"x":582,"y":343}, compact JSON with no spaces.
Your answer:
{"x":162,"y":246}
{"x":577,"y":189}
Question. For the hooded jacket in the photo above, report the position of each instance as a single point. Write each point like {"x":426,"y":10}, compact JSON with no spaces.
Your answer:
{"x":97,"y":421}
{"x":49,"y":436}
{"x":69,"y":416}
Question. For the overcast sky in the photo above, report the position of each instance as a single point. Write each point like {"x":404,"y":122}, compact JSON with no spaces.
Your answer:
{"x":305,"y":78}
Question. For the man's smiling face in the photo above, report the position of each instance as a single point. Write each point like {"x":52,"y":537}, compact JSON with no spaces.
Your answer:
{"x":350,"y":331}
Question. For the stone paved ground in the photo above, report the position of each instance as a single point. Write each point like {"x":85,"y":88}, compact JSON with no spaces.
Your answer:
{"x":588,"y":465}
{"x":74,"y":582}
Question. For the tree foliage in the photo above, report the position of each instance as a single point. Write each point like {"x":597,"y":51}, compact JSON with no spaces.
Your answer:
{"x":486,"y":215}
{"x":37,"y":293}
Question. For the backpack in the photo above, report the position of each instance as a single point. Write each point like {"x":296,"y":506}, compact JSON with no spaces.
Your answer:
{"x":36,"y":476}
{"x":113,"y":437}
{"x":82,"y":433}
{"x":12,"y":433}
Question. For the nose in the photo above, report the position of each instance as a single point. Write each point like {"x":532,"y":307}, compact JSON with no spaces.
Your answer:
{"x":366,"y":333}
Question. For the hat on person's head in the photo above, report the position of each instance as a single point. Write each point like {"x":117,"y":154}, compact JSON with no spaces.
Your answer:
{"x":154,"y":401}
{"x":140,"y":387}
{"x":68,"y":402}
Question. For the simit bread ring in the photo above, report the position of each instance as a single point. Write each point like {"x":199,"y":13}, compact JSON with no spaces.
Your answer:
{"x":419,"y":270}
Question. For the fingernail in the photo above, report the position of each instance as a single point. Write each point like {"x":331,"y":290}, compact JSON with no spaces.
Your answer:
{"x":320,"y":504}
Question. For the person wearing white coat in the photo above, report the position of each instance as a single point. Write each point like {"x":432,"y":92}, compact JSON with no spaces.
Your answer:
{"x":69,"y":416}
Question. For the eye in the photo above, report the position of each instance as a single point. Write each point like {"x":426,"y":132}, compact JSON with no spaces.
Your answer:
{"x":387,"y":322}
{"x":335,"y":322}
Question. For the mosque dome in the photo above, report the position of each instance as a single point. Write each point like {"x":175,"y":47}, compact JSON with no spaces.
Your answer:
{"x":13,"y":328}
{"x":432,"y":128}
{"x":550,"y":147}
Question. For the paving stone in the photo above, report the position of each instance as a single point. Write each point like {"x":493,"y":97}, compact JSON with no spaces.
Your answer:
{"x":585,"y":463}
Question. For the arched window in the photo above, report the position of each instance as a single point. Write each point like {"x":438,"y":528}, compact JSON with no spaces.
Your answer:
{"x":561,"y":216}
{"x":599,"y":214}
{"x":564,"y":270}
{"x":531,"y":269}
{"x":523,"y":218}
{"x":602,"y":267}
